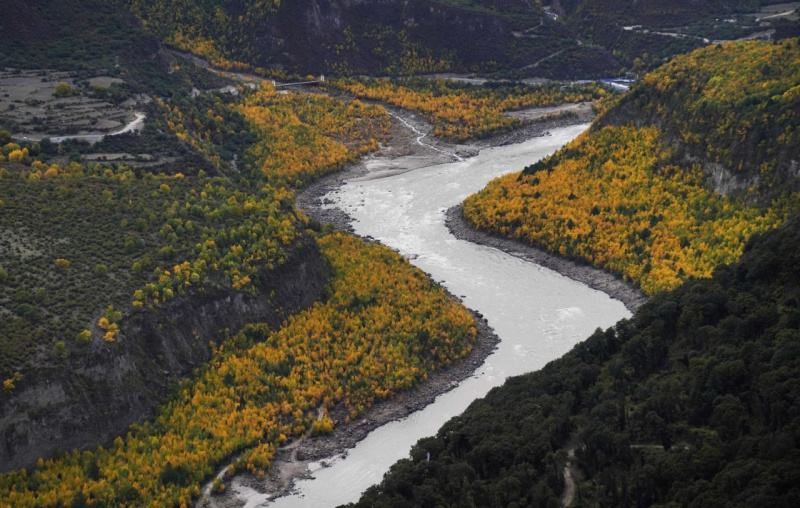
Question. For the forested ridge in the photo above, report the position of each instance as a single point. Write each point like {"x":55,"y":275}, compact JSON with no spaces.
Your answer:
{"x":394,"y":38}
{"x":735,"y":105}
{"x":691,"y":402}
{"x":512,"y":38}
{"x":636,"y":194}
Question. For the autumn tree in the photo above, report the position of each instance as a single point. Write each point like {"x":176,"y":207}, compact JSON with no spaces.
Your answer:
{"x":63,"y":89}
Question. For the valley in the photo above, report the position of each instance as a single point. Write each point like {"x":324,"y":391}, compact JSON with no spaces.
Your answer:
{"x":213,"y":286}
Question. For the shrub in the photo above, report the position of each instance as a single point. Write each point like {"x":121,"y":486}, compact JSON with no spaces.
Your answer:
{"x":63,"y":90}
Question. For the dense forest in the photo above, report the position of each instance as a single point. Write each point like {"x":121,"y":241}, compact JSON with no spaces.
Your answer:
{"x":691,"y":402}
{"x":636,"y":194}
{"x":735,"y":105}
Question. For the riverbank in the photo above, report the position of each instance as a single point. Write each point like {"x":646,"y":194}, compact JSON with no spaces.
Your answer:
{"x":296,"y":459}
{"x":411,"y":148}
{"x":407,"y":152}
{"x":595,"y":278}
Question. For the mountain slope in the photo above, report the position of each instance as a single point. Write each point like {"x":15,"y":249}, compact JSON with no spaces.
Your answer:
{"x":367,"y":37}
{"x":672,"y":178}
{"x":734,"y":108}
{"x":642,"y":34}
{"x":85,"y":35}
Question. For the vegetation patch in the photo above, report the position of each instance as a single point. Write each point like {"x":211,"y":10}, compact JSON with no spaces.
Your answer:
{"x":611,"y":198}
{"x":459,"y":111}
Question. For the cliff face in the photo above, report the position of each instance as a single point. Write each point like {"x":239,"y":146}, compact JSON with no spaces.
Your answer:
{"x":87,"y":400}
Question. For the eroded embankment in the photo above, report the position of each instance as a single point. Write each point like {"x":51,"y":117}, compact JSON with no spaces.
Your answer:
{"x":595,"y":278}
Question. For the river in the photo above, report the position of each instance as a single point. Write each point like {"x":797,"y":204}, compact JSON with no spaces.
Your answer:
{"x":538,"y":314}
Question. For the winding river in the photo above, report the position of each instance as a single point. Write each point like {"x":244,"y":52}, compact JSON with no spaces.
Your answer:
{"x":538,"y":314}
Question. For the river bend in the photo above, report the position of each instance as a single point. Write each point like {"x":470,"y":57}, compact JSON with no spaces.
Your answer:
{"x":538,"y":314}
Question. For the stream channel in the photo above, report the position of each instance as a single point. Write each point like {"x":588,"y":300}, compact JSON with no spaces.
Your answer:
{"x":538,"y":314}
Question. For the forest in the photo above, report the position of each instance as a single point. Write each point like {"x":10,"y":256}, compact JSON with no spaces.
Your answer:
{"x":733,"y":104}
{"x":628,"y":198}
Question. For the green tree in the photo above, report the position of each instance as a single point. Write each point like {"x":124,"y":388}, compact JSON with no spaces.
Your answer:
{"x":60,"y":349}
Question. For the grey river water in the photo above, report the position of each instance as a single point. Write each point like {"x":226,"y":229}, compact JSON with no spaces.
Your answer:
{"x":538,"y":314}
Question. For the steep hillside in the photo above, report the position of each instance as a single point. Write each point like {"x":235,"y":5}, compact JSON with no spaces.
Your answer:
{"x":514,"y":38}
{"x":733,"y":108}
{"x":639,"y":194}
{"x":88,"y":35}
{"x":692,"y":402}
{"x":383,"y":327}
{"x":72,"y":394}
{"x":365,"y":37}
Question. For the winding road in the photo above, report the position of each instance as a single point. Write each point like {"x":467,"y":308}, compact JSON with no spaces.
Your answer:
{"x":134,"y":125}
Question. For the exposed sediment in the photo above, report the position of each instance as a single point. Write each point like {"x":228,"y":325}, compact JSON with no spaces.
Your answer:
{"x":595,"y":278}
